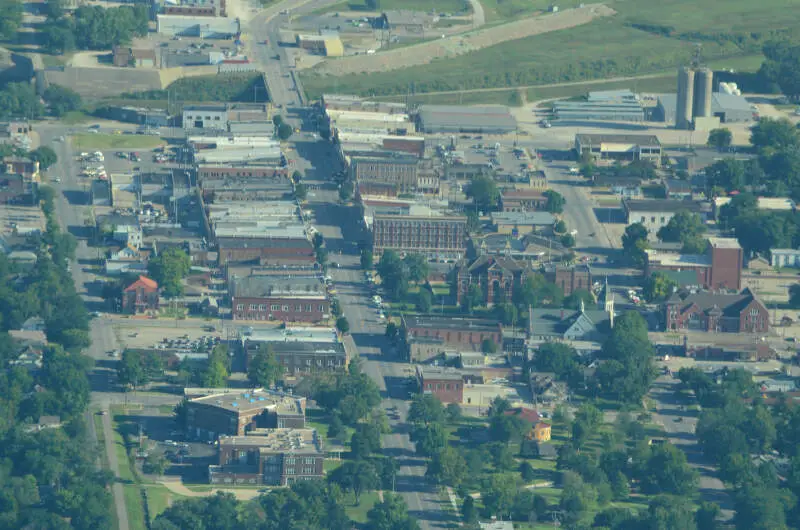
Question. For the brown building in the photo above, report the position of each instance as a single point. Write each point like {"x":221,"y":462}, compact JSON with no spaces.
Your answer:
{"x":138,"y":57}
{"x":275,"y":457}
{"x":569,"y":278}
{"x":14,"y":189}
{"x":214,"y":172}
{"x":301,"y":357}
{"x":427,"y":336}
{"x":265,"y":251}
{"x":405,"y":144}
{"x":447,"y":384}
{"x":21,"y":165}
{"x":397,"y":171}
{"x":285,"y":298}
{"x":219,"y":412}
{"x":140,"y":296}
{"x":523,"y":200}
{"x":443,"y":236}
{"x":720,"y":267}
{"x":496,"y":276}
{"x":713,"y":312}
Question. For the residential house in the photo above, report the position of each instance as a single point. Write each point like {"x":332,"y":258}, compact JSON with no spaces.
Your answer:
{"x":496,"y":277}
{"x":717,"y":312}
{"x":540,"y":430}
{"x":274,"y":457}
{"x":570,"y":325}
{"x":545,"y":389}
{"x":128,"y":260}
{"x":676,"y":189}
{"x":140,"y":296}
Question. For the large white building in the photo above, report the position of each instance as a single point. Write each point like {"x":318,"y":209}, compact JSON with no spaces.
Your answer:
{"x":656,"y":214}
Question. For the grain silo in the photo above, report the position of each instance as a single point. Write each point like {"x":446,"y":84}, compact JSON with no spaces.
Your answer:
{"x":703,"y":87}
{"x":684,"y":104}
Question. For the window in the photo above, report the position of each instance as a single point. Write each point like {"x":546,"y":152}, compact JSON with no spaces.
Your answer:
{"x":653,"y":219}
{"x":240,"y":307}
{"x":274,"y":307}
{"x":642,"y":219}
{"x":290,"y":461}
{"x":298,"y":307}
{"x":308,"y":461}
{"x":286,"y":308}
{"x":252,"y":307}
{"x":322,"y":308}
{"x":663,"y":220}
{"x":290,"y":471}
{"x":309,"y":308}
{"x":262,"y":307}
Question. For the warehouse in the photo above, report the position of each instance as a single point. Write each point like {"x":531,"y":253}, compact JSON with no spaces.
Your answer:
{"x":611,"y":105}
{"x":197,"y":26}
{"x":622,"y":147}
{"x":455,"y":119}
{"x":327,"y":45}
{"x":729,"y":108}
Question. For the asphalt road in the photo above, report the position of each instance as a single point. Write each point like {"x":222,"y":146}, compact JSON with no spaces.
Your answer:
{"x":680,"y":424}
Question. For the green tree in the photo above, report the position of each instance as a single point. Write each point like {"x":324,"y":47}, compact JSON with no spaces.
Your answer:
{"x":342,"y":325}
{"x":774,"y":135}
{"x":527,"y":472}
{"x":366,"y":259}
{"x":634,"y":243}
{"x":498,"y":495}
{"x":578,"y":297}
{"x":394,"y":274}
{"x":429,"y":438}
{"x":473,"y":222}
{"x":488,"y":346}
{"x":426,"y":409}
{"x":666,"y":471}
{"x":667,"y":512}
{"x":658,"y":287}
{"x":568,"y":240}
{"x":556,"y":357}
{"x":727,"y":174}
{"x":138,"y":368}
{"x":578,"y":499}
{"x":11,"y":19}
{"x":469,"y":513}
{"x":365,"y":441}
{"x":446,"y":466}
{"x":45,"y":156}
{"x":61,"y":99}
{"x":346,"y":191}
{"x":217,"y":369}
{"x":506,"y":313}
{"x":391,"y":332}
{"x":560,"y":227}
{"x":300,"y":191}
{"x":390,"y":514}
{"x":473,"y":299}
{"x":20,"y":100}
{"x":264,"y":368}
{"x":356,"y":476}
{"x":417,"y":267}
{"x":794,"y":296}
{"x":720,"y":139}
{"x":285,"y":131}
{"x":484,"y":193}
{"x":687,"y":228}
{"x":155,"y":464}
{"x":424,"y":301}
{"x":168,"y":269}
{"x":555,"y":201}
{"x":628,"y":371}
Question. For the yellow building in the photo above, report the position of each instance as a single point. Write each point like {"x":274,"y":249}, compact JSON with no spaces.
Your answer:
{"x":541,"y":432}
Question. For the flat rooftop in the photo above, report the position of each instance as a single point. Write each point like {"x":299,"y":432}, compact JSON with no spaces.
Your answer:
{"x":639,"y":139}
{"x":439,"y":372}
{"x":249,"y":401}
{"x":297,"y":441}
{"x":476,"y":324}
{"x":264,"y":286}
{"x":524,"y":218}
{"x":724,"y":242}
{"x":661,"y":205}
{"x":668,"y":259}
{"x":294,"y":334}
{"x":433,"y":116}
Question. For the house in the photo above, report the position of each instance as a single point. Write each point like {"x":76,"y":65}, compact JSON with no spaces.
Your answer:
{"x":520,"y":223}
{"x":128,"y":260}
{"x":275,"y":457}
{"x":545,"y":389}
{"x":570,"y":325}
{"x":720,"y":267}
{"x":286,"y":298}
{"x":717,"y":312}
{"x":569,"y":277}
{"x":676,"y":189}
{"x":218,"y":412}
{"x":496,"y":277}
{"x":656,"y":214}
{"x":540,"y":431}
{"x":140,"y":296}
{"x":124,"y":229}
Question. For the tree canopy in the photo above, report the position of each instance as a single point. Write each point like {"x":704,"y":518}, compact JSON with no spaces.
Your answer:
{"x":634,"y":242}
{"x":629,"y":357}
{"x":168,"y":269}
{"x":686,"y":228}
{"x":484,"y":193}
{"x":94,"y":28}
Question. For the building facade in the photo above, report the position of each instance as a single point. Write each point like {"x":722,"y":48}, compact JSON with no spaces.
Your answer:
{"x":447,"y":384}
{"x":619,"y":147}
{"x":205,"y":117}
{"x":570,"y":278}
{"x":275,"y":457}
{"x":720,"y":267}
{"x":268,"y":297}
{"x":453,"y":333}
{"x":497,"y":277}
{"x":712,"y":312}
{"x":444,"y":236}
{"x":524,"y":200}
{"x":140,"y":296}
{"x":399,"y":172}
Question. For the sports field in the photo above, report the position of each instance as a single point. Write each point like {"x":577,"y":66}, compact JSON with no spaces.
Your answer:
{"x":644,"y":37}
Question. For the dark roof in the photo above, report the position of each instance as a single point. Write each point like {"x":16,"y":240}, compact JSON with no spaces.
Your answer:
{"x":677,"y":185}
{"x":546,"y":450}
{"x":434,"y":322}
{"x":682,"y":278}
{"x":639,"y":139}
{"x":661,"y":205}
{"x":557,"y":322}
{"x":301,"y":347}
{"x":486,"y":262}
{"x":263,"y":242}
{"x":118,"y":219}
{"x":729,"y":305}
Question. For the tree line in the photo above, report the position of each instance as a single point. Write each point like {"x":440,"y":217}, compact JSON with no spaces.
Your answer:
{"x":20,"y":100}
{"x":92,"y":27}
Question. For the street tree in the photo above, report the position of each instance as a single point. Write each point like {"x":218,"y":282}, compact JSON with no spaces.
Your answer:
{"x":285,"y":131}
{"x":556,"y":357}
{"x":417,"y":267}
{"x":45,"y":156}
{"x":629,"y":370}
{"x":667,"y":471}
{"x":720,"y":139}
{"x":300,"y":191}
{"x":634,"y":243}
{"x":484,"y":193}
{"x":356,"y":476}
{"x":686,"y":228}
{"x":61,"y":99}
{"x":366,"y":259}
{"x":794,"y":296}
{"x":726,"y":175}
{"x":429,"y":438}
{"x":342,"y":325}
{"x":390,"y":514}
{"x":264,"y":368}
{"x":555,"y":201}
{"x":168,"y":269}
{"x":426,"y":409}
{"x":658,"y":287}
{"x":770,"y":134}
{"x":424,"y":301}
{"x":447,"y":467}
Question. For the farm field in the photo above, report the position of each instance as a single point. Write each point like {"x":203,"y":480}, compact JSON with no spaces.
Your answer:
{"x":642,"y":38}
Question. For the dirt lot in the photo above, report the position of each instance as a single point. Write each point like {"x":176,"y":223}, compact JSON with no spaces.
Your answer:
{"x":456,"y":45}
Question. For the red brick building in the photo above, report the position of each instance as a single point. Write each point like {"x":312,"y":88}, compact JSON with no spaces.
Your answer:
{"x":447,"y":384}
{"x":21,"y":165}
{"x":496,"y":276}
{"x":523,"y":200}
{"x":727,"y":313}
{"x":14,"y":189}
{"x":451,"y":333}
{"x":276,"y":457}
{"x":720,"y":267}
{"x":140,"y":296}
{"x":265,"y":251}
{"x":287,"y":299}
{"x":570,"y":278}
{"x":212,"y":172}
{"x":435,"y":236}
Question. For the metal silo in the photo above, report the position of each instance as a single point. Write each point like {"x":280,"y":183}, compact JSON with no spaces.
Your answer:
{"x":684,"y":103}
{"x":703,"y":87}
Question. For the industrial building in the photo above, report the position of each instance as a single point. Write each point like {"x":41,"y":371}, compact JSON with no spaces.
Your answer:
{"x":327,"y":45}
{"x":622,"y":147}
{"x":610,"y":105}
{"x":197,"y":26}
{"x":728,"y":108}
{"x":695,"y":86}
{"x":456,"y":119}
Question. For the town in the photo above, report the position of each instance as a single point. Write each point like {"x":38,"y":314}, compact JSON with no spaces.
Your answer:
{"x":230,"y":300}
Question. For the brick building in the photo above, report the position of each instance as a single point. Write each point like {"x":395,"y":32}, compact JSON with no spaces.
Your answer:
{"x":301,"y":350}
{"x":432,"y":335}
{"x":235,"y":171}
{"x":275,"y":457}
{"x":716,"y":312}
{"x":265,"y":251}
{"x":720,"y":267}
{"x":447,"y":384}
{"x":14,"y":189}
{"x":286,"y":298}
{"x":140,"y":296}
{"x":569,"y":278}
{"x":443,"y":236}
{"x":236,"y":413}
{"x":496,"y":276}
{"x":21,"y":165}
{"x":523,"y":200}
{"x":398,"y":171}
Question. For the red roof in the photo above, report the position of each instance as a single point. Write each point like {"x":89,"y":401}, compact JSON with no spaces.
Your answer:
{"x":526,"y":414}
{"x":143,"y":283}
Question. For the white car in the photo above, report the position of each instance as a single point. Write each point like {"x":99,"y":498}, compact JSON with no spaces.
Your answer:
{"x":574,"y":170}
{"x":57,"y":179}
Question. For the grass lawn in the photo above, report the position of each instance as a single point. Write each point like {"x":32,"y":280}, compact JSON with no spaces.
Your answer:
{"x":642,"y":38}
{"x":358,"y":513}
{"x":134,"y":507}
{"x":87,"y":142}
{"x":159,"y":499}
{"x":75,"y":117}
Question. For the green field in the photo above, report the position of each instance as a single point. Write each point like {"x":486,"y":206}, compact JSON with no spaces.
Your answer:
{"x":86,"y":141}
{"x":642,"y":38}
{"x":440,"y":6}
